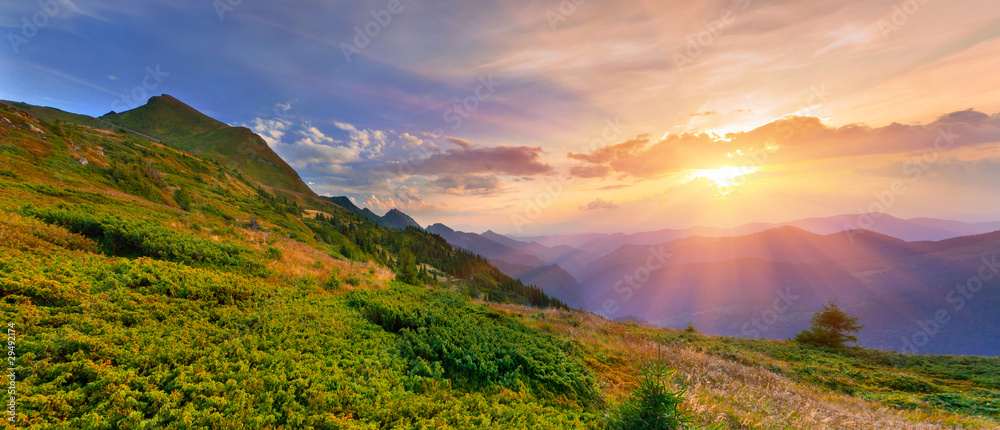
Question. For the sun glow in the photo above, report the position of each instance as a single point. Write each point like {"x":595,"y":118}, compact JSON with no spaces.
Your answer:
{"x":727,"y":179}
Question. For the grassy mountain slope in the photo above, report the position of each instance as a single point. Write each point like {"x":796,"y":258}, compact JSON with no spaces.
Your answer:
{"x":152,"y":288}
{"x":165,"y":118}
{"x":183,"y":127}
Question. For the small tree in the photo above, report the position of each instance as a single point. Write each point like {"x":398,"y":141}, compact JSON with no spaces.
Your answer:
{"x":407,"y":267}
{"x":831,"y":327}
{"x":652,"y":405}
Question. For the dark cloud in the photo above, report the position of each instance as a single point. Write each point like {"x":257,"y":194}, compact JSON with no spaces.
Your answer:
{"x":500,"y":160}
{"x":599,"y":203}
{"x":468,"y":184}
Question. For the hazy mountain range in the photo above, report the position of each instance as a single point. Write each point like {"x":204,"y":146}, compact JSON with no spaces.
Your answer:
{"x":915,"y":229}
{"x":768,"y":283}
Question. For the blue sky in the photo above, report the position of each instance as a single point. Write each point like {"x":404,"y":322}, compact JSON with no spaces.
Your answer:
{"x":586,"y":112}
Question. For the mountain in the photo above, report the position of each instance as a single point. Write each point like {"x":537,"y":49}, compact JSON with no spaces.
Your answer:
{"x":780,"y":244}
{"x":725,"y":284}
{"x":346,"y":203}
{"x":484,"y":247}
{"x":916,"y":229}
{"x":571,"y":259}
{"x":398,"y":220}
{"x":552,"y":279}
{"x":394,"y":219}
{"x":515,"y":262}
{"x":177,"y":124}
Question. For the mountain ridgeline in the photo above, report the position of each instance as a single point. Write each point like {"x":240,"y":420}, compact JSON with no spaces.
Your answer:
{"x":394,"y":219}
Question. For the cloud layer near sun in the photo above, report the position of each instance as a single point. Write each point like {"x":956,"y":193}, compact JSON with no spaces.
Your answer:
{"x":786,"y":140}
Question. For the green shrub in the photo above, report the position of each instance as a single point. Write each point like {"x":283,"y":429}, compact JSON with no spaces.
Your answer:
{"x":145,"y":239}
{"x":184,"y":199}
{"x":475,"y":346}
{"x":273,"y":253}
{"x":652,"y":405}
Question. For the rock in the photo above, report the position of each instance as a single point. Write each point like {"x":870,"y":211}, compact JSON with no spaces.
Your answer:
{"x":83,"y":161}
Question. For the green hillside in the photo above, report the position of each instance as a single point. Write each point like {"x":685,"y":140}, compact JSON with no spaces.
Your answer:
{"x":152,"y":287}
{"x":177,"y":124}
{"x":165,"y":118}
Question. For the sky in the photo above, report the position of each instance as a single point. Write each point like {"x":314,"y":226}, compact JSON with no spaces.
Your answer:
{"x":541,"y":117}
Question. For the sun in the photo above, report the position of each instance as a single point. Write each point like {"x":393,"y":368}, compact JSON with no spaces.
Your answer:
{"x":727,"y":179}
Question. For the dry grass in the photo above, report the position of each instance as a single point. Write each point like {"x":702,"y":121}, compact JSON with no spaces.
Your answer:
{"x":301,"y":260}
{"x":722,"y":391}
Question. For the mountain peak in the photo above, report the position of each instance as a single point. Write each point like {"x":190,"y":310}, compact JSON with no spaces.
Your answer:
{"x":165,"y":118}
{"x":184,"y":127}
{"x":437,"y":228}
{"x":395,"y":218}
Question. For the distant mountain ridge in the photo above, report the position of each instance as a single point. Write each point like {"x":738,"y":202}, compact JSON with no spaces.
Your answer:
{"x":394,"y":219}
{"x":514,"y":259}
{"x":911,"y":230}
{"x":724,"y":284}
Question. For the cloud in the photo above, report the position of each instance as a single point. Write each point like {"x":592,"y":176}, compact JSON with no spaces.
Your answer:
{"x":468,"y":184}
{"x":598,"y":171}
{"x":459,"y":142}
{"x":612,"y":152}
{"x":505,"y":160}
{"x":788,"y":139}
{"x":706,"y":113}
{"x":599,"y":204}
{"x":368,"y":142}
{"x":385,"y":169}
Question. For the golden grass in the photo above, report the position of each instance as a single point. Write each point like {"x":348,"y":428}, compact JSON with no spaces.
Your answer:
{"x":301,"y":260}
{"x":722,"y":391}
